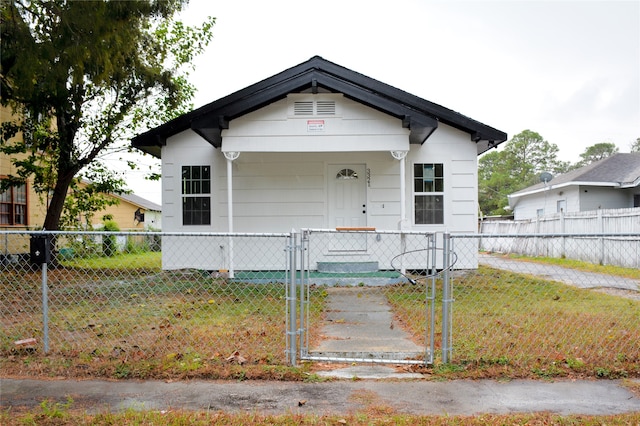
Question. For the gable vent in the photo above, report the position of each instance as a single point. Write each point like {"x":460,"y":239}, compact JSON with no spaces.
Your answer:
{"x":326,"y":107}
{"x":303,"y":108}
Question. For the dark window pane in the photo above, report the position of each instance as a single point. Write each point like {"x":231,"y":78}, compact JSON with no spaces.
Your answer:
{"x":417,"y":170}
{"x":428,"y":178}
{"x":429,"y":209}
{"x":5,"y":214}
{"x":196,"y":211}
{"x":21,"y":218}
{"x":21,"y":194}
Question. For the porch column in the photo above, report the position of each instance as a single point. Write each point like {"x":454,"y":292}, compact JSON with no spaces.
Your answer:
{"x":400,"y":156}
{"x":230,"y":156}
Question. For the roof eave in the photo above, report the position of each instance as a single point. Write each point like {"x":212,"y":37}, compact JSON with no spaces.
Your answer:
{"x":419,"y":115}
{"x":564,"y":185}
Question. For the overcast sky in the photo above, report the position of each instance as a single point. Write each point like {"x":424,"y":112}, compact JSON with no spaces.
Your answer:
{"x":569,"y":70}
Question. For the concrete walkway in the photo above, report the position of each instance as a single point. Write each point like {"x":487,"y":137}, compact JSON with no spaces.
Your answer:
{"x":458,"y":397}
{"x":360,"y":325}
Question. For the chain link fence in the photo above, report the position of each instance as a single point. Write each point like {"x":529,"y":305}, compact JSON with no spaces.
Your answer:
{"x":391,"y":315}
{"x":108,"y":296}
{"x":185,"y":299}
{"x":548,"y":315}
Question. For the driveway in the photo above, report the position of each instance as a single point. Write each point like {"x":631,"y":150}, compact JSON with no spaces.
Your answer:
{"x":611,"y":284}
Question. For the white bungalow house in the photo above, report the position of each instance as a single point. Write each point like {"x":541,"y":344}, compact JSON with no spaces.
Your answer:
{"x":317,"y":146}
{"x":611,"y":183}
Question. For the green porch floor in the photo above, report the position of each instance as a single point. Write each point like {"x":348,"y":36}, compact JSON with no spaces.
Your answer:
{"x":373,"y":278}
{"x":281,"y":275}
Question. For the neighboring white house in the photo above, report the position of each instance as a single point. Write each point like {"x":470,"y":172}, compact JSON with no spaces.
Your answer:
{"x":611,"y":183}
{"x":317,"y":146}
{"x":147,"y":213}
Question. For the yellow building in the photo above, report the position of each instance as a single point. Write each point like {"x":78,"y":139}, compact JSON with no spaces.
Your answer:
{"x":22,"y":208}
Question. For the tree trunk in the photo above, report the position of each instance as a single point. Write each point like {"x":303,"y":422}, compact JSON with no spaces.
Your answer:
{"x":56,"y":205}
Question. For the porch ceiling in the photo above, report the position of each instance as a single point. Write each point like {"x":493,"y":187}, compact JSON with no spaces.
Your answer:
{"x":355,"y":143}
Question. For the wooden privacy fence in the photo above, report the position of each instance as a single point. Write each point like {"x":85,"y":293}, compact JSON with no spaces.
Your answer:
{"x":609,"y":237}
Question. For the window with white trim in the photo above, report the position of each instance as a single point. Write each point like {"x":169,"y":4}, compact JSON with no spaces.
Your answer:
{"x":196,"y":207}
{"x":428,"y":193}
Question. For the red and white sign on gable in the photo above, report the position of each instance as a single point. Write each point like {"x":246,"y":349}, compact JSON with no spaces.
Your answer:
{"x":315,"y":125}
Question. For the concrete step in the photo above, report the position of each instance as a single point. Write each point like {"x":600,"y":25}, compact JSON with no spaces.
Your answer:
{"x":348,"y":267}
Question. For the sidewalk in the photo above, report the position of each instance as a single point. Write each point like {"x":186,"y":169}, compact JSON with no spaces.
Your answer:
{"x":458,"y":397}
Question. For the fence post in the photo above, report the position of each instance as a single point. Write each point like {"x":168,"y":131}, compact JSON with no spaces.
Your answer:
{"x":403,"y":249}
{"x":292,"y":332}
{"x":303,"y":299}
{"x":446,"y":298}
{"x":433,"y":272}
{"x":563,"y":231}
{"x":45,"y":307}
{"x":601,"y":239}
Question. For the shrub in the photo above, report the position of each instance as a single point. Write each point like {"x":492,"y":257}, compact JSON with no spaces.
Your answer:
{"x":109,"y":247}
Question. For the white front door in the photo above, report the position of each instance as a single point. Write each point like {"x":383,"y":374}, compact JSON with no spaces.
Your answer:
{"x":347,"y":184}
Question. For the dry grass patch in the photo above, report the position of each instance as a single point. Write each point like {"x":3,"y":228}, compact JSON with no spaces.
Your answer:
{"x":53,"y":414}
{"x":175,"y":324}
{"x":511,"y":325}
{"x":164,"y":324}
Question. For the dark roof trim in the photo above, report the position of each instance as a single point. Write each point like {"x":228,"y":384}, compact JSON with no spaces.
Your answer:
{"x":417,"y":114}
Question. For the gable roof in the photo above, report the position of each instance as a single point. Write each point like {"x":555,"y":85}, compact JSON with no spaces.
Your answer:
{"x":138,"y":201}
{"x":133,"y":199}
{"x":417,"y":114}
{"x":618,"y":171}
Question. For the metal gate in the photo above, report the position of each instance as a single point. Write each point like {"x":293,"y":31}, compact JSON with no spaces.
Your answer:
{"x":378,"y":305}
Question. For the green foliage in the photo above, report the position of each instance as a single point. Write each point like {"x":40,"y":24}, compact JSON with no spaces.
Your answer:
{"x":517,"y":166}
{"x":83,"y":77}
{"x":596,"y":152}
{"x":87,"y":257}
{"x":635,"y":146}
{"x":56,"y":410}
{"x":83,"y":247}
{"x":109,"y":246}
{"x":83,"y":201}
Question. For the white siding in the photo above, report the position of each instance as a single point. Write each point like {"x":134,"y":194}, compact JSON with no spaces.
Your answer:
{"x":184,"y":149}
{"x":354,"y":128}
{"x":152,"y":220}
{"x":457,"y":152}
{"x":594,"y":198}
{"x":279,"y":190}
